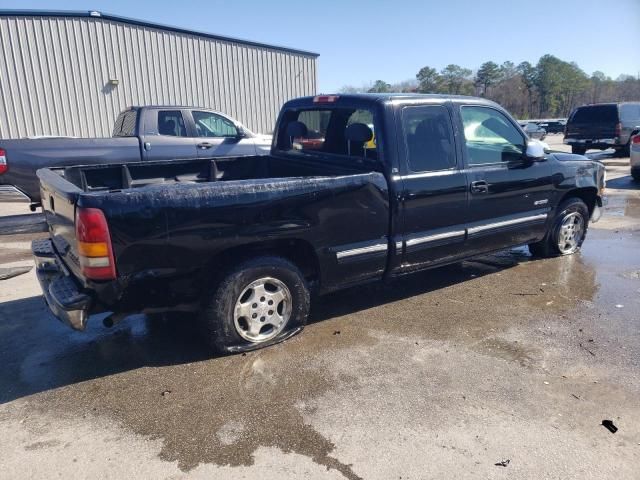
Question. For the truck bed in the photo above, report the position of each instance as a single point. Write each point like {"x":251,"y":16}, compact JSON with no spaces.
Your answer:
{"x":117,"y":177}
{"x":171,"y":219}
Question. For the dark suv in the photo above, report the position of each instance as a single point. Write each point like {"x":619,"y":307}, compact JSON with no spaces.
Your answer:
{"x":602,"y":126}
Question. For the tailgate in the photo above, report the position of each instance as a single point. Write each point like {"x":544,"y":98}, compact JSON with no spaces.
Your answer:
{"x":591,"y":131}
{"x":59,"y":198}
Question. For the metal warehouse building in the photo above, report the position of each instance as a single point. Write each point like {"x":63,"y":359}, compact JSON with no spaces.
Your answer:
{"x":71,"y":73}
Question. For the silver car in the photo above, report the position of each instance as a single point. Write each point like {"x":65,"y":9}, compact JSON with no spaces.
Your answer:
{"x":635,"y":157}
{"x":533,"y":130}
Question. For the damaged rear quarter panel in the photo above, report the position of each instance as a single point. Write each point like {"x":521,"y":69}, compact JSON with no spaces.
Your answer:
{"x":577,"y":172}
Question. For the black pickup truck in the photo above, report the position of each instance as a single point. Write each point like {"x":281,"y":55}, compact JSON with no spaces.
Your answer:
{"x":139,"y":133}
{"x":357,"y":188}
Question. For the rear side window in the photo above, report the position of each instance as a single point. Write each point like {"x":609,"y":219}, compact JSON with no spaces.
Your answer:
{"x":171,"y":123}
{"x":125,"y":125}
{"x":630,"y":113}
{"x":428,"y":138}
{"x":595,"y":114}
{"x":323,"y":131}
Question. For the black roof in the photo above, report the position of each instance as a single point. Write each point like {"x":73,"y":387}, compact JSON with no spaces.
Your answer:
{"x":132,"y":21}
{"x":390,"y":97}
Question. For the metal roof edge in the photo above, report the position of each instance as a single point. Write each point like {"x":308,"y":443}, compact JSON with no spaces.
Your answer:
{"x":132,"y":21}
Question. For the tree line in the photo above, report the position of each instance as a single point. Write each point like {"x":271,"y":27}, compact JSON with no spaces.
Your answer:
{"x":552,"y":88}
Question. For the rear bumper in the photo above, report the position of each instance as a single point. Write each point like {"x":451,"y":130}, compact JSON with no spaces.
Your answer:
{"x":601,"y":143}
{"x":10,"y":194}
{"x":60,"y":291}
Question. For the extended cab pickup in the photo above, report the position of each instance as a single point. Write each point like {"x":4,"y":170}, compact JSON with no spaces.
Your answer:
{"x":389,"y":184}
{"x":139,"y":133}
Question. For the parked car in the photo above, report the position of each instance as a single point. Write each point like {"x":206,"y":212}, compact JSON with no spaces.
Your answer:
{"x":533,"y":130}
{"x":139,"y":133}
{"x":635,"y":157}
{"x":603,"y":126}
{"x":242,"y":242}
{"x":553,"y":126}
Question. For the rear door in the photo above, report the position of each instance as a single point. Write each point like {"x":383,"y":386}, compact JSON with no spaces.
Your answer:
{"x":167,"y":135}
{"x":509,"y":196}
{"x":218,"y":136}
{"x":434,"y":187}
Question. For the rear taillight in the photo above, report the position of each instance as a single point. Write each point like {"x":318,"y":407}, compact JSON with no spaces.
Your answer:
{"x":94,"y":245}
{"x":618,"y":129}
{"x":3,"y":161}
{"x":635,"y":139}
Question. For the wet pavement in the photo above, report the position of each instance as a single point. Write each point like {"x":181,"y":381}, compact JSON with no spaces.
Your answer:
{"x":441,"y":374}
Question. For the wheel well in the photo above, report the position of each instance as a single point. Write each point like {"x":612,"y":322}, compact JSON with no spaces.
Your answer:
{"x":587,"y":194}
{"x":299,"y":252}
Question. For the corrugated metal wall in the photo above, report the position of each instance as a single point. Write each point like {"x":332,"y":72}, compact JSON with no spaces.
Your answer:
{"x":55,"y":72}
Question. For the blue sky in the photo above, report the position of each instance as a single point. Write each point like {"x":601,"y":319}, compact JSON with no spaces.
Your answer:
{"x":362,"y":41}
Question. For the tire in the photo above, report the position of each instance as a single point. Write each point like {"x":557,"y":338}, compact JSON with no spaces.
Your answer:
{"x":635,"y":174}
{"x":571,"y":211}
{"x":261,"y":302}
{"x":623,"y":152}
{"x":578,"y":150}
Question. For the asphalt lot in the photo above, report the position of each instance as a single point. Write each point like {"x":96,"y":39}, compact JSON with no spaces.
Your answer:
{"x":442,"y":374}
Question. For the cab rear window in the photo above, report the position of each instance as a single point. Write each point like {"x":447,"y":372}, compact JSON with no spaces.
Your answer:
{"x":323,"y":131}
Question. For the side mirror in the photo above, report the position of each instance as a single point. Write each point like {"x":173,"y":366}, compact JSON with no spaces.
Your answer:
{"x":535,"y":151}
{"x":241,"y":133}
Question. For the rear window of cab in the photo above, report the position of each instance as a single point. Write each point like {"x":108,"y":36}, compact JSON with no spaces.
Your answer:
{"x":321,"y":131}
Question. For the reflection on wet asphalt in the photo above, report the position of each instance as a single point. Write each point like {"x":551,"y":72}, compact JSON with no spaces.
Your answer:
{"x":524,"y":317}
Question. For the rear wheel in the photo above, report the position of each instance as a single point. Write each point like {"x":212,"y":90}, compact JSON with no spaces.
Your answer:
{"x":567,"y":231}
{"x":263,"y":301}
{"x":578,"y":150}
{"x":624,"y":151}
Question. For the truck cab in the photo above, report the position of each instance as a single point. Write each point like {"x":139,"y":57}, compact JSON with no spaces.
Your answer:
{"x":170,"y":132}
{"x":464,"y":178}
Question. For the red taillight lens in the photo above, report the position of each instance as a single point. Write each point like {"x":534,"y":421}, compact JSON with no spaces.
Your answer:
{"x":3,"y":161}
{"x":635,"y":139}
{"x":94,"y":245}
{"x":618,"y":129}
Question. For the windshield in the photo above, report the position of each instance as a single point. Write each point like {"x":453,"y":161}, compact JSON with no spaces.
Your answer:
{"x":596,"y":114}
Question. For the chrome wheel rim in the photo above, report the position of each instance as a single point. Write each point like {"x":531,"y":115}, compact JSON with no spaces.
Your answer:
{"x":262,"y":310}
{"x":571,"y":233}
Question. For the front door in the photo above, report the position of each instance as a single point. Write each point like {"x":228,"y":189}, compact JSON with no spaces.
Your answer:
{"x":434,"y":188}
{"x":217,"y":136}
{"x":167,"y":136}
{"x":509,"y":195}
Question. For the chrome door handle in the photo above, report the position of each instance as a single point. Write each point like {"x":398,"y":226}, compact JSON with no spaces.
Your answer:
{"x":205,"y":145}
{"x":481,"y":186}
